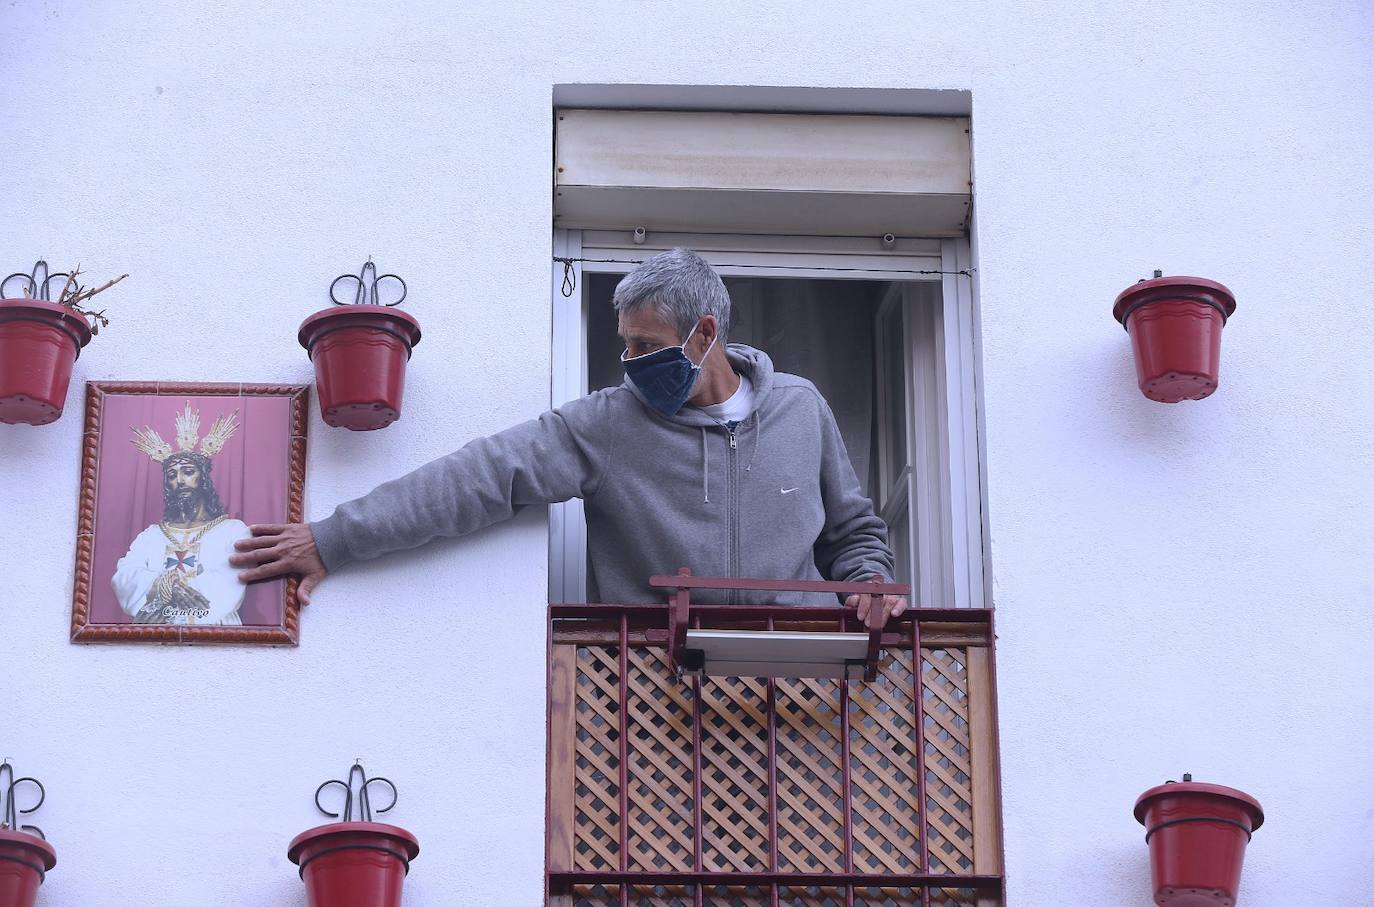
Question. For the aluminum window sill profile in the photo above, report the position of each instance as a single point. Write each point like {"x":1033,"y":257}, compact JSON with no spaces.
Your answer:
{"x":777,"y":654}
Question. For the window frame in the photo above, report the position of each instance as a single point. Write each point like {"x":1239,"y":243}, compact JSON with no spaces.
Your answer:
{"x":941,"y":382}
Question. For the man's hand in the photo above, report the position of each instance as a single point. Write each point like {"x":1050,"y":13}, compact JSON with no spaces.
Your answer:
{"x":876,"y":617}
{"x":279,"y":549}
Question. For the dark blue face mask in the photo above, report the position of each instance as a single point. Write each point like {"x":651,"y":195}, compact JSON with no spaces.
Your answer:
{"x":665,"y":377}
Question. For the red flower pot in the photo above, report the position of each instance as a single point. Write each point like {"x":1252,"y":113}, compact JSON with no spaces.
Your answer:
{"x":1175,"y":326}
{"x":354,"y":864}
{"x":24,"y":860}
{"x":1197,"y":835}
{"x":360,"y":354}
{"x":39,"y":341}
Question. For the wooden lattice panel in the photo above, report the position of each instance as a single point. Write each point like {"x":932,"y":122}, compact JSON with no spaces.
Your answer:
{"x":734,"y":774}
{"x":915,"y":747}
{"x":814,"y":896}
{"x":949,"y":795}
{"x":911,"y":897}
{"x":887,"y":897}
{"x":662,"y":896}
{"x":722,"y":896}
{"x":683,"y":896}
{"x":660,"y":760}
{"x":954,"y":897}
{"x":597,"y":790}
{"x":595,"y":895}
{"x":810,"y":779}
{"x":883,"y":770}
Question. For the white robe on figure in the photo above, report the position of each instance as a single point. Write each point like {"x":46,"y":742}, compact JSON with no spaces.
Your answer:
{"x":207,"y":571}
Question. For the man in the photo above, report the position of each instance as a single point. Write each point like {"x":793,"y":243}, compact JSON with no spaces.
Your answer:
{"x":177,"y":570}
{"x":705,"y":457}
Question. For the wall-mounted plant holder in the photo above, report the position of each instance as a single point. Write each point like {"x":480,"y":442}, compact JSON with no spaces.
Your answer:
{"x":354,"y":863}
{"x":360,"y":350}
{"x":1197,"y":835}
{"x":40,"y":340}
{"x":1175,"y":326}
{"x":25,"y":857}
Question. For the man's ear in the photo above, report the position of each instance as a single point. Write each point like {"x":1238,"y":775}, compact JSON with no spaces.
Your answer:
{"x":707,"y":331}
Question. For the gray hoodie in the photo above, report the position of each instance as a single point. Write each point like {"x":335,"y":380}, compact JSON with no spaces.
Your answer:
{"x":775,"y":498}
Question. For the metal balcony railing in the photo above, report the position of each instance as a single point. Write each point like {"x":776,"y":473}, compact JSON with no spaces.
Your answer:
{"x":673,"y":791}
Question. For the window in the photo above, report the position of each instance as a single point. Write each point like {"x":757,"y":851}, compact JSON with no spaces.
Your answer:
{"x":812,"y":303}
{"x":749,"y":791}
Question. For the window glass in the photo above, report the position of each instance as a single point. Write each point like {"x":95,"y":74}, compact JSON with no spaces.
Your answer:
{"x":893,"y":341}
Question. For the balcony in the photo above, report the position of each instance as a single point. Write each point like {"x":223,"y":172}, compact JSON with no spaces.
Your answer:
{"x":673,"y":791}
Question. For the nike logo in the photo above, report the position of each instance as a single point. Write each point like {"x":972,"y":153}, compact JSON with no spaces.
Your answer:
{"x":788,"y":490}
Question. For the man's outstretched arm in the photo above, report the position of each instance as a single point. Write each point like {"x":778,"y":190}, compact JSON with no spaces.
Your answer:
{"x":562,"y":454}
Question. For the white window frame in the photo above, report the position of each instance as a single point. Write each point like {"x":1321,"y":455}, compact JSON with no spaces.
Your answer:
{"x":945,"y":481}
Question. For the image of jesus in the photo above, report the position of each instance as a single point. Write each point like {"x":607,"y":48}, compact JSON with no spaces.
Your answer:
{"x":177,"y":570}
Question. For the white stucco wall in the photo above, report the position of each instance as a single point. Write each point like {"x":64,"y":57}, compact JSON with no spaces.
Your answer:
{"x":1178,"y":588}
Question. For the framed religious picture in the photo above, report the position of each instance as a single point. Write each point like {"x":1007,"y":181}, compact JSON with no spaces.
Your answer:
{"x":172,"y":475}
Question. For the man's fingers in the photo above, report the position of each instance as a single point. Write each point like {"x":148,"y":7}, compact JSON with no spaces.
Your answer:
{"x":257,"y":541}
{"x":267,"y":528}
{"x":867,"y":613}
{"x":876,"y":610}
{"x":307,"y":584}
{"x":887,"y":607}
{"x":266,"y":571}
{"x":260,"y":556}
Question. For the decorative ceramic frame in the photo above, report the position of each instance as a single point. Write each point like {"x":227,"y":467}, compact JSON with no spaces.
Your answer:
{"x":83,"y":629}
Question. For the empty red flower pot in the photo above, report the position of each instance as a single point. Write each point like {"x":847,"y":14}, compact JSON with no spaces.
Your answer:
{"x":1175,"y":326}
{"x":39,"y":342}
{"x":24,"y":860}
{"x":354,"y":864}
{"x":1197,"y":835}
{"x":360,"y":354}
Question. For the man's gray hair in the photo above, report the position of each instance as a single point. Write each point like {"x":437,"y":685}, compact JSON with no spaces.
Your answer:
{"x":681,"y":286}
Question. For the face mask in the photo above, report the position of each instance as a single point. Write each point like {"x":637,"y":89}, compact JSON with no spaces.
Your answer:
{"x":665,"y":377}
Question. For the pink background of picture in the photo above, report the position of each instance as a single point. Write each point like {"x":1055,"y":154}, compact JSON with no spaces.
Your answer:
{"x":251,"y":475}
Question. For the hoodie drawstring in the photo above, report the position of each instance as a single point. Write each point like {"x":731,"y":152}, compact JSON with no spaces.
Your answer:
{"x":705,"y":470}
{"x":758,"y":433}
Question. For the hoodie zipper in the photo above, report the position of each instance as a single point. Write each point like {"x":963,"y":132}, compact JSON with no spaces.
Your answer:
{"x":732,"y":510}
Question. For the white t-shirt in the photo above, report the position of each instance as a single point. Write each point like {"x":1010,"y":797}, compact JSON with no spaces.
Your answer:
{"x":737,"y":408}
